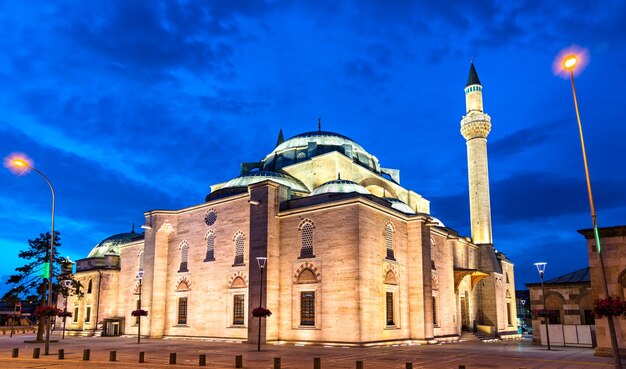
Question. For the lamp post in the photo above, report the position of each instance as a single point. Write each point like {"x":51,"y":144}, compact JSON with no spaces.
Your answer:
{"x":66,"y":284}
{"x":140,"y":277}
{"x":261,"y":261}
{"x":21,"y":163}
{"x":569,"y":63}
{"x":541,"y":267}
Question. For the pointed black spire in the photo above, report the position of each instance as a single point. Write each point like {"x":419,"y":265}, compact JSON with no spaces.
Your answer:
{"x":472,"y":79}
{"x":281,"y":138}
{"x":133,"y":230}
{"x":319,"y":124}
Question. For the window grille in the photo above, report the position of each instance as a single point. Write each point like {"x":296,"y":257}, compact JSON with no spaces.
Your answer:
{"x":182,"y":310}
{"x":435,"y":311}
{"x":389,"y":239}
{"x":307,"y":308}
{"x":389,"y":304}
{"x":239,"y":249}
{"x":184,"y":253}
{"x":238,"y":309}
{"x":210,"y":247}
{"x":306,"y":251}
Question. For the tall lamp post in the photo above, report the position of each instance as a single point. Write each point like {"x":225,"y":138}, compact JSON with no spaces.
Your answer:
{"x":261,"y":261}
{"x":541,"y":267}
{"x":570,"y":63}
{"x":22,"y":163}
{"x":140,"y":277}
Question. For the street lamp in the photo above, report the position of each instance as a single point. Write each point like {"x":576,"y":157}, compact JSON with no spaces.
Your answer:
{"x":570,"y":62}
{"x":541,"y":267}
{"x":23,"y":163}
{"x":261,"y":261}
{"x":140,"y":277}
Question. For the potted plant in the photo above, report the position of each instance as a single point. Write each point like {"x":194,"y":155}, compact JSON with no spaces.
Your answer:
{"x":139,"y":312}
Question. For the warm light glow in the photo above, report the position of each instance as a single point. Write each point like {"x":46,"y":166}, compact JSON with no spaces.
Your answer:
{"x":570,"y":62}
{"x":572,"y":59}
{"x":18,"y":163}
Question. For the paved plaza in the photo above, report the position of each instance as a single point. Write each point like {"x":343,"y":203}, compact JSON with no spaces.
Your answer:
{"x":474,"y":355}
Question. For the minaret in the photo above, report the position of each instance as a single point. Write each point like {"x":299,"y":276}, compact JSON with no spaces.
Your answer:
{"x":475,"y":127}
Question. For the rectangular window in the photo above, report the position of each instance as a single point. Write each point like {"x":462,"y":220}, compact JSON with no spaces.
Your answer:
{"x":435,"y":311}
{"x":182,"y":310}
{"x":508,"y":313}
{"x":88,"y":315}
{"x":389,"y":304}
{"x":307,"y":308}
{"x":75,"y":317}
{"x":238,"y":309}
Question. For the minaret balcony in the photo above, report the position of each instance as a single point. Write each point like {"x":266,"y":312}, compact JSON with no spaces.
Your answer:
{"x":475,"y":125}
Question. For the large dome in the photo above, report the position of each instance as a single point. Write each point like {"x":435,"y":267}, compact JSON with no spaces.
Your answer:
{"x":259,"y":176}
{"x":340,"y":186}
{"x":309,"y":144}
{"x":111,"y":245}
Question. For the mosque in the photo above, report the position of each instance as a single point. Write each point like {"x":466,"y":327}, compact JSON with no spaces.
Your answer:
{"x":324,"y":237}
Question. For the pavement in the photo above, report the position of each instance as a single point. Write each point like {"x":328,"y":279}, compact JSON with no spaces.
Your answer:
{"x":513,"y":354}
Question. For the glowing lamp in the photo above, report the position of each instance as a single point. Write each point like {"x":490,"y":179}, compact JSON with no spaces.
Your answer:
{"x":570,"y":62}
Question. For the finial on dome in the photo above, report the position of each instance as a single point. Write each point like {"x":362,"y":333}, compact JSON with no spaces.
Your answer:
{"x":319,"y":124}
{"x":133,"y":229}
{"x":338,"y":175}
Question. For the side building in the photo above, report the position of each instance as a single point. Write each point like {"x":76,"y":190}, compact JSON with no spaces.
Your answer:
{"x":353,"y":258}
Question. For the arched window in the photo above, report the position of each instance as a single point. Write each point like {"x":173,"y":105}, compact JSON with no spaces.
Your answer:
{"x":389,"y":239}
{"x":432,"y":253}
{"x":306,"y":234}
{"x":141,"y":259}
{"x":184,"y":253}
{"x":89,"y":286}
{"x":210,"y":246}
{"x":239,"y":247}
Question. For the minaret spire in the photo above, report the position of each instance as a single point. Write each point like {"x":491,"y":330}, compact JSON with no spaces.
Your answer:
{"x":475,"y":127}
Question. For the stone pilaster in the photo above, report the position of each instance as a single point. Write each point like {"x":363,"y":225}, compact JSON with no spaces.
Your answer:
{"x":158,"y":264}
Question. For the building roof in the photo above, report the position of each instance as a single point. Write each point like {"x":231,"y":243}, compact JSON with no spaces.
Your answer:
{"x":340,"y":186}
{"x":262,"y":175}
{"x":472,"y":79}
{"x":577,"y":276}
{"x":111,"y":245}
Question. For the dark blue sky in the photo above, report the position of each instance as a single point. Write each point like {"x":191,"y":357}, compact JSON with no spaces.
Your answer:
{"x":129,"y":106}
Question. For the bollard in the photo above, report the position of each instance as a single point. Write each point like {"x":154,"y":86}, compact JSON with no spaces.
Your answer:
{"x":36,"y":351}
{"x":202,"y":360}
{"x":142,"y":357}
{"x":317,"y":363}
{"x":86,"y":353}
{"x":276,"y":363}
{"x":238,"y":361}
{"x":359,"y":364}
{"x":112,"y":355}
{"x":61,"y":354}
{"x":409,"y":365}
{"x":172,"y":358}
{"x":15,"y":353}
{"x":461,"y":366}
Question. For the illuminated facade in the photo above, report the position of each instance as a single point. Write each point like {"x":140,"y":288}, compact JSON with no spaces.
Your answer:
{"x":353,"y":258}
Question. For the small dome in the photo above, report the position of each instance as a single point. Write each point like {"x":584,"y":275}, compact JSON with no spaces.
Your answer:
{"x":262,"y":175}
{"x":111,"y":245}
{"x":437,"y":221}
{"x":400,"y":205}
{"x":340,"y":186}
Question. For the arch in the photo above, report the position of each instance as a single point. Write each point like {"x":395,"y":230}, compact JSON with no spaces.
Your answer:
{"x":377,"y":182}
{"x":390,"y":278}
{"x":307,"y":276}
{"x":239,"y":239}
{"x":210,"y":245}
{"x":306,"y":229}
{"x":140,"y":260}
{"x":432,"y":253}
{"x":389,"y":232}
{"x":239,"y":274}
{"x":183,"y":284}
{"x":89,"y":285}
{"x":508,"y":294}
{"x":184,"y":255}
{"x":555,"y":302}
{"x":238,"y":283}
{"x":312,"y":269}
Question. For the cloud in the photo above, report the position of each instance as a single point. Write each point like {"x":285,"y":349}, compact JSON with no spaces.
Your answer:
{"x":517,"y":142}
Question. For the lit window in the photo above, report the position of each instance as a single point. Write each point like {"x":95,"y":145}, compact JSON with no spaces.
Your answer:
{"x":239,"y":238}
{"x":75,"y":317}
{"x":306,"y":250}
{"x":389,"y":240}
{"x":184,"y":254}
{"x":182,"y":310}
{"x":238,"y":309}
{"x":307,"y":308}
{"x":389,"y":308}
{"x":88,"y":315}
{"x":210,"y":246}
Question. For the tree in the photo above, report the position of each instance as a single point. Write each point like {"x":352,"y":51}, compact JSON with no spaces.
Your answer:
{"x":29,"y":282}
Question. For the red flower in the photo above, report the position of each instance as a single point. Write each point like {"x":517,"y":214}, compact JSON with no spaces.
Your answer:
{"x":65,"y":314}
{"x":47,"y":311}
{"x":261,"y":312}
{"x":139,"y":312}
{"x":609,"y":307}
